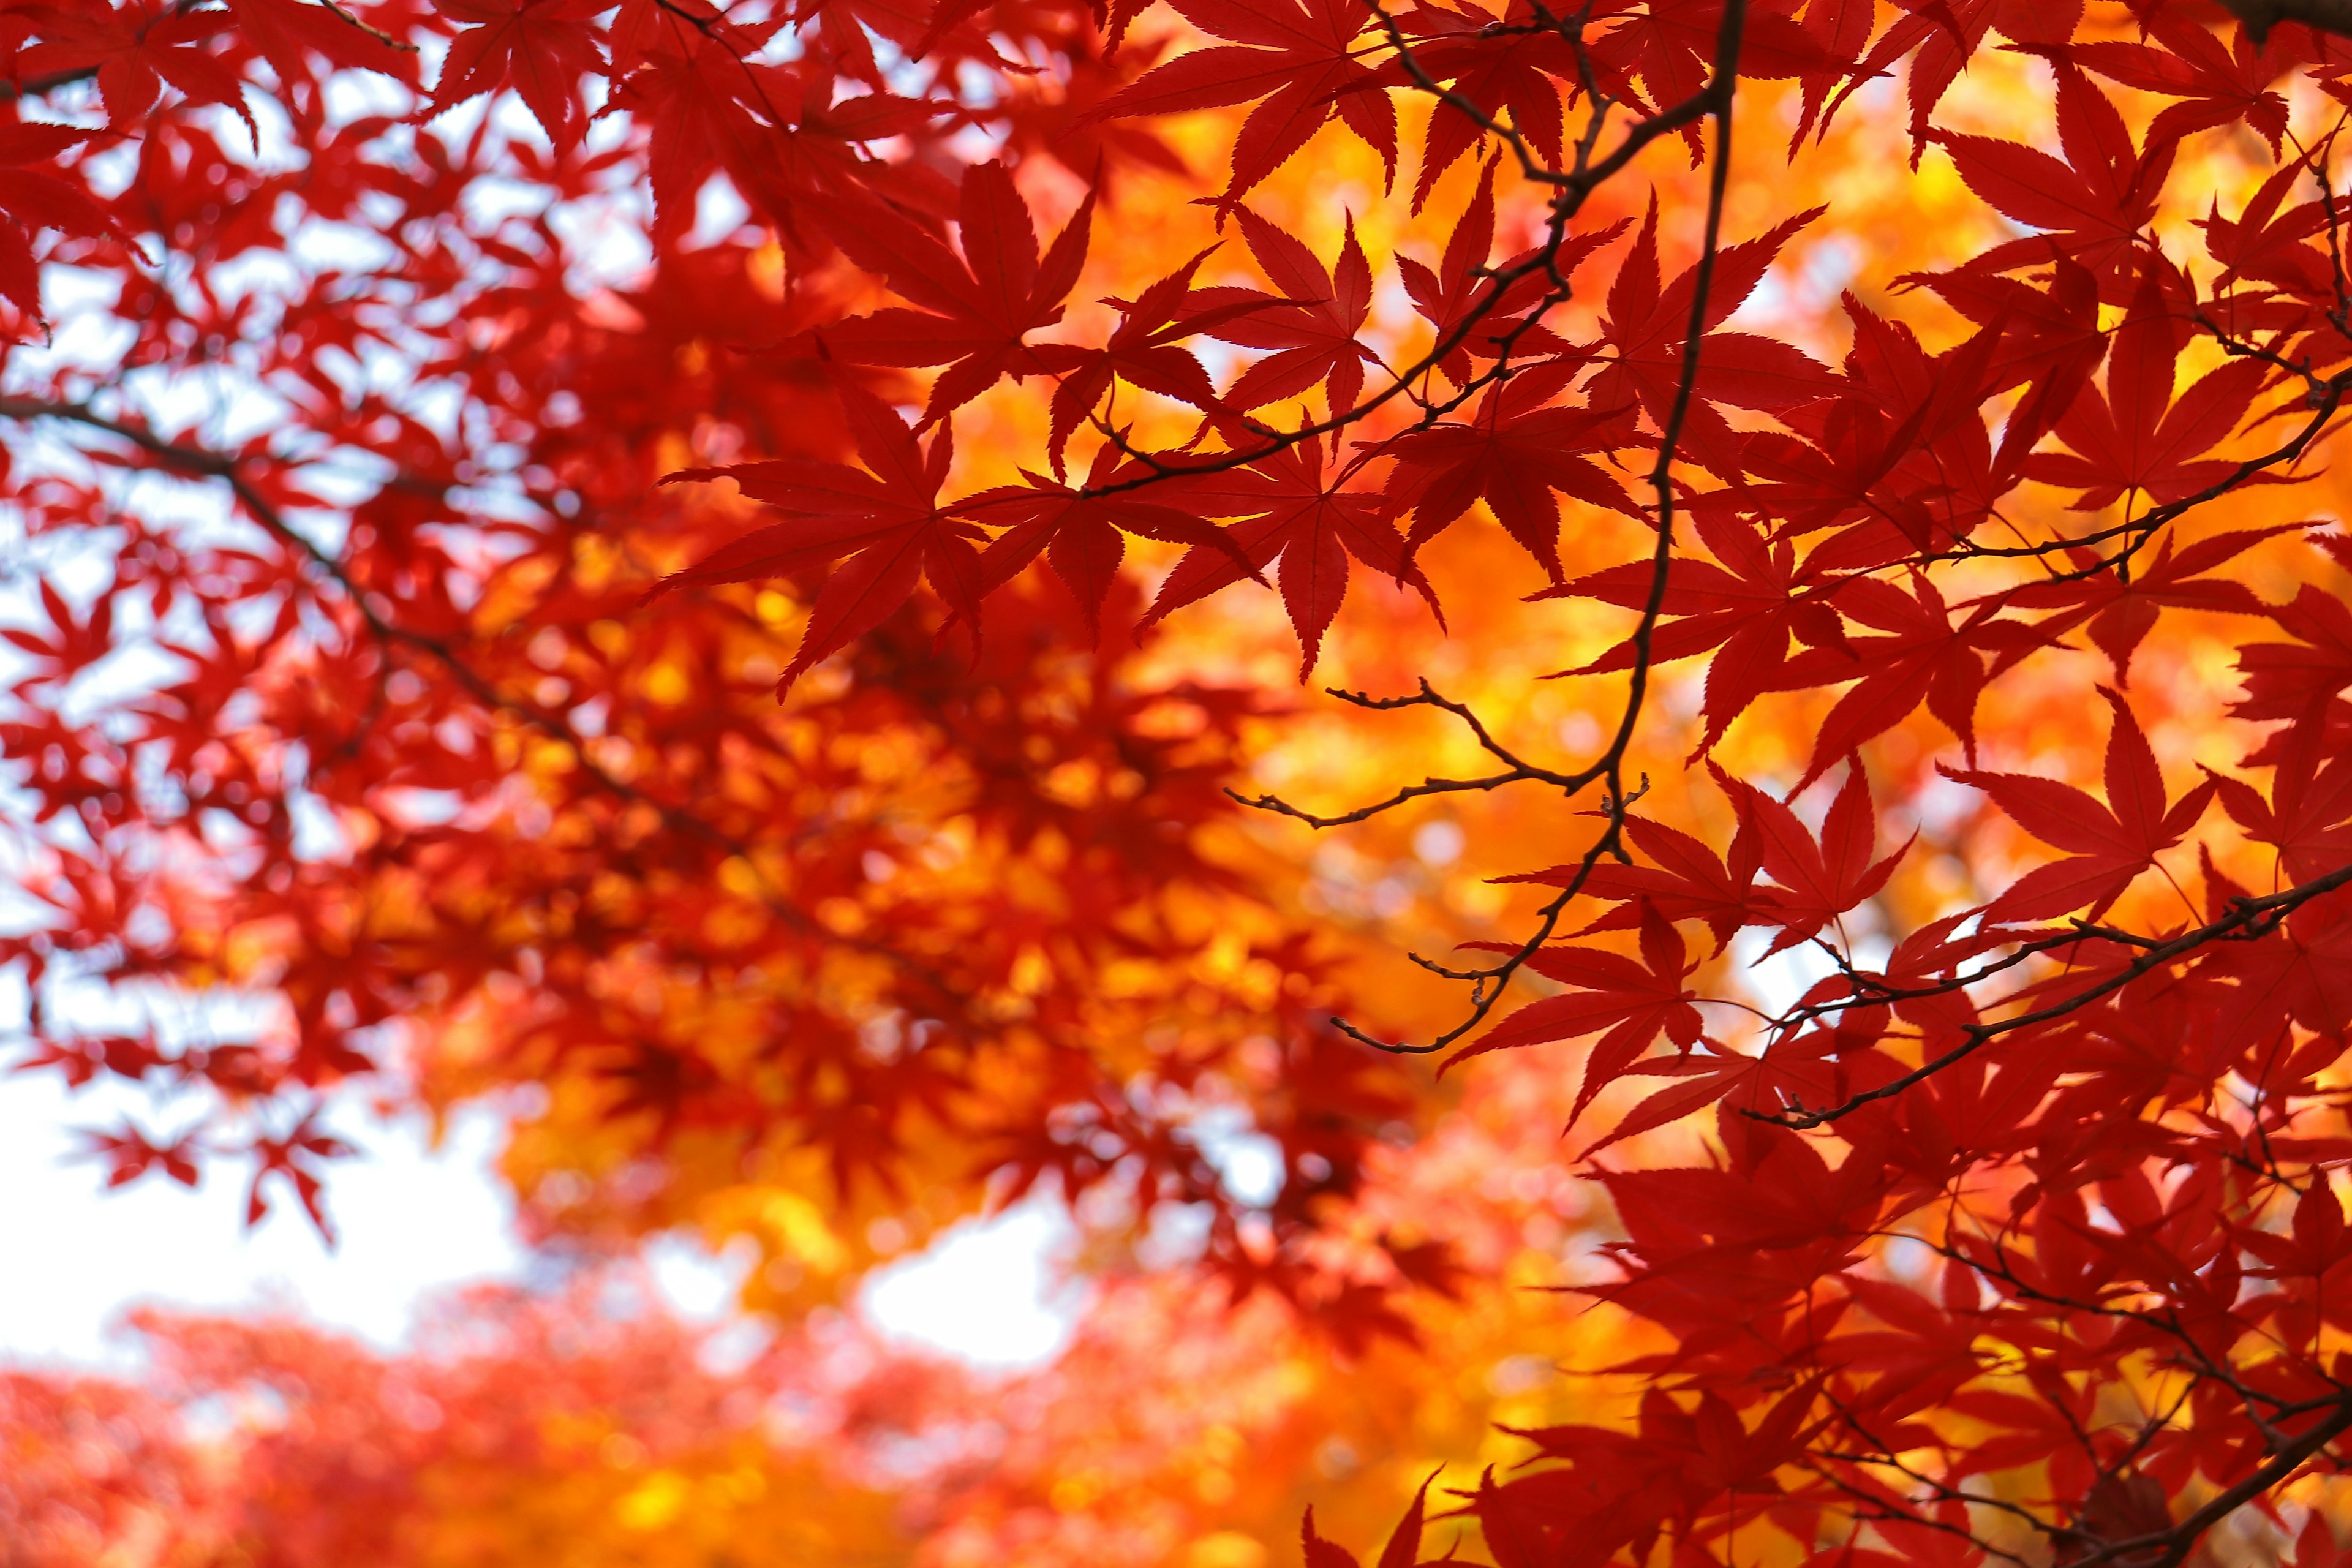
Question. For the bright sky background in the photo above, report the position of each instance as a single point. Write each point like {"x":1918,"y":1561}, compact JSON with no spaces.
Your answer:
{"x":413,"y":1220}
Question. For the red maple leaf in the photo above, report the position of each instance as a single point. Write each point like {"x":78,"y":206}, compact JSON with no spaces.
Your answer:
{"x":73,"y":644}
{"x":543,"y":47}
{"x":2271,"y":241}
{"x":1788,"y":1070}
{"x":2295,"y":679}
{"x":295,"y":1157}
{"x":1310,"y":326}
{"x":1685,"y":881}
{"x":32,"y":200}
{"x":2308,"y":816}
{"x":1298,"y":56}
{"x":2218,"y":83}
{"x":2121,"y":610}
{"x":1292,"y":513}
{"x":1628,"y":1002}
{"x":1939,"y":37}
{"x":890,"y":516}
{"x":2111,"y":843}
{"x":1517,"y":67}
{"x":1081,"y":532}
{"x":1461,"y":293}
{"x":130,"y":1154}
{"x":2135,"y":439}
{"x":688,"y":93}
{"x":1646,"y":326}
{"x":1748,"y":605}
{"x":136,"y":50}
{"x":1518,"y":452}
{"x":1905,"y":462}
{"x":975,"y":309}
{"x":1146,"y":350}
{"x":1815,"y":880}
{"x":1841,"y":28}
{"x":1914,"y":653}
{"x":1402,"y":1551}
{"x":912,"y":26}
{"x":288,"y":32}
{"x":2094,"y":204}
{"x":2318,"y":1245}
{"x":1670,"y":51}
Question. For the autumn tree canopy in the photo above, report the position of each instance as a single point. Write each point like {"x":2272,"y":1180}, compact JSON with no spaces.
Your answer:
{"x":1685,"y":659}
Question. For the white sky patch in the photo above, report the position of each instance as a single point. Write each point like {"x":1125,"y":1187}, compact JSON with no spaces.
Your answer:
{"x":989,"y":1291}
{"x":414,"y":1222}
{"x":74,"y":1257}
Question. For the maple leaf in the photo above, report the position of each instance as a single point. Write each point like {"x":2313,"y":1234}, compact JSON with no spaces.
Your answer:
{"x":2111,"y":843}
{"x":73,"y":642}
{"x":1402,"y":1551}
{"x":1290,"y":511}
{"x":1685,"y":881}
{"x":1814,"y":880}
{"x":1296,"y":56}
{"x":295,"y":1157}
{"x":2272,"y":241}
{"x":1841,"y":29}
{"x":2094,"y":204}
{"x":543,"y":47}
{"x":686,"y":92}
{"x":784,"y":136}
{"x":2295,"y":679}
{"x":2135,"y":439}
{"x":1517,"y":67}
{"x":975,"y":309}
{"x":1748,"y":606}
{"x":2315,"y":1547}
{"x":1627,"y":1003}
{"x":1145,"y":351}
{"x":1080,"y":531}
{"x":1460,"y":297}
{"x":135,"y":50}
{"x":2306,"y":815}
{"x":1903,"y":462}
{"x":1914,"y":654}
{"x":1518,"y":452}
{"x":1319,"y":1552}
{"x":1310,"y":326}
{"x":288,"y":32}
{"x":844,"y":26}
{"x":2052,"y":341}
{"x":32,"y":200}
{"x":827,"y":164}
{"x":2218,"y":83}
{"x":1646,"y":326}
{"x":888,"y":514}
{"x":130,"y":1154}
{"x":1056,"y":119}
{"x":1785,"y":1072}
{"x":1940,"y":38}
{"x":1448,"y":297}
{"x":1670,"y":51}
{"x":2121,"y":611}
{"x":2317,"y":1243}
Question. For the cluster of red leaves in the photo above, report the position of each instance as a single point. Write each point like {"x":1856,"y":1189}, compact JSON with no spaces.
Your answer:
{"x":574,"y":834}
{"x":448,"y":777}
